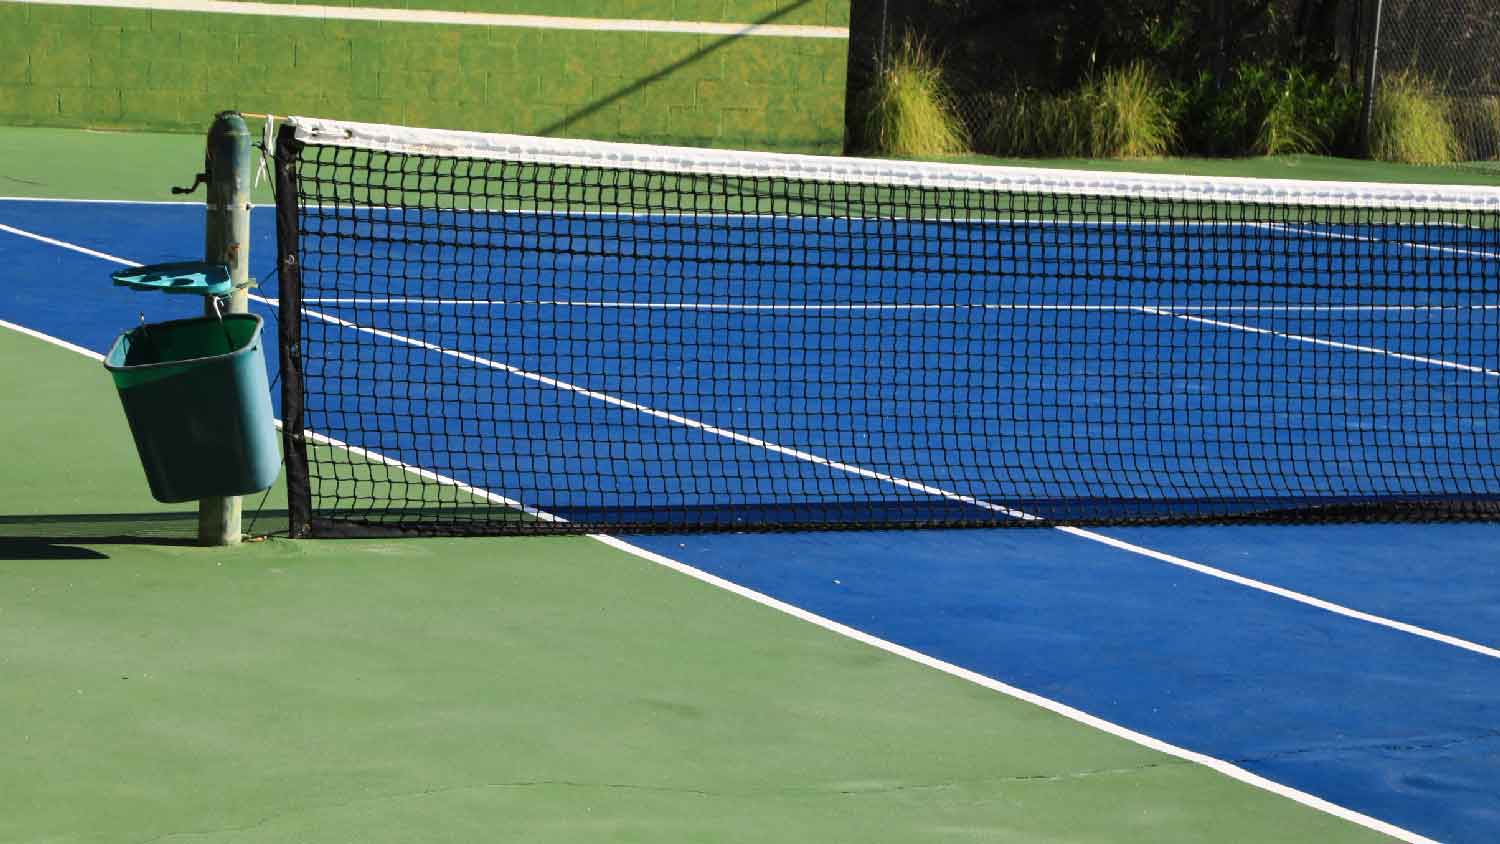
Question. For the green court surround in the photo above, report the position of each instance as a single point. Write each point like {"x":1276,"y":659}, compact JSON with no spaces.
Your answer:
{"x":542,"y":690}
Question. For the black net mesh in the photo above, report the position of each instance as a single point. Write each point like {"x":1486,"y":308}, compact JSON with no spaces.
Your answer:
{"x":486,"y":346}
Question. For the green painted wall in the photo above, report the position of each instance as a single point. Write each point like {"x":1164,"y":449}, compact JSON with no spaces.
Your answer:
{"x":808,"y":12}
{"x":109,"y":68}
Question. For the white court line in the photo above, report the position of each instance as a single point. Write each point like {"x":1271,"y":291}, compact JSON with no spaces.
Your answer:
{"x":50,"y":241}
{"x":1319,"y":341}
{"x":199,"y":204}
{"x":666,"y":416}
{"x":1262,"y":586}
{"x":437,"y":16}
{"x":1409,"y":244}
{"x":89,"y":353}
{"x":427,"y":474}
{"x":1226,"y":768}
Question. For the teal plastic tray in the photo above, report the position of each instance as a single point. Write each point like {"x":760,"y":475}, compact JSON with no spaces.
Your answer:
{"x":181,"y":277}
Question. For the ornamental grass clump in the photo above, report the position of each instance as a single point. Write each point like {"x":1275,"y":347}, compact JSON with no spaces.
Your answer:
{"x":1410,"y":122}
{"x":1128,"y":114}
{"x":911,"y":110}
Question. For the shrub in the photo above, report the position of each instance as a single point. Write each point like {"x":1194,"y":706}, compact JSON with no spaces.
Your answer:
{"x":1123,"y":114}
{"x":1477,"y":122}
{"x":1308,"y":114}
{"x":910,"y":111}
{"x":1410,"y":122}
{"x":1128,"y":113}
{"x":1026,"y":122}
{"x":1208,"y":122}
{"x":1266,"y":110}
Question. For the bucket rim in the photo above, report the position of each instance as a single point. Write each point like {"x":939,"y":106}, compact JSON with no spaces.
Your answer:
{"x":140,"y":367}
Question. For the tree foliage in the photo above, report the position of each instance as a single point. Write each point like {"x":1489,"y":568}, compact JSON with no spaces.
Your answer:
{"x":1054,"y":44}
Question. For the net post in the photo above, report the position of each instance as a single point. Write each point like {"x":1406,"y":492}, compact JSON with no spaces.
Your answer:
{"x":289,"y":333}
{"x":226,"y":241}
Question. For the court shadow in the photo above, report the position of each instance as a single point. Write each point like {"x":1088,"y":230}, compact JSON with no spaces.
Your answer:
{"x":28,"y":549}
{"x":646,"y":81}
{"x":35,"y":533}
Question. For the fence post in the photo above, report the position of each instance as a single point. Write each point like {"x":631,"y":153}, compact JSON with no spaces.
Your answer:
{"x":1367,"y":106}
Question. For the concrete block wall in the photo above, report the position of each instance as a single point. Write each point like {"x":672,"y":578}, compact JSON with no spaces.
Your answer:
{"x":63,"y":65}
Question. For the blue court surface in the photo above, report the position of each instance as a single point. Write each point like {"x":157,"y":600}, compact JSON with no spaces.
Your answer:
{"x":1356,"y":663}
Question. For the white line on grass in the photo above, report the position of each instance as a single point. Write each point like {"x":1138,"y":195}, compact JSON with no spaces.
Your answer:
{"x":1222,"y":767}
{"x":437,"y":16}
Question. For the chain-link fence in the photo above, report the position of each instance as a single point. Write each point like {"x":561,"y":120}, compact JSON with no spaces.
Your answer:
{"x":1455,"y":46}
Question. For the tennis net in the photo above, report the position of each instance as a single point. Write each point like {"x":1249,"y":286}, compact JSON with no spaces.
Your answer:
{"x":503,"y":334}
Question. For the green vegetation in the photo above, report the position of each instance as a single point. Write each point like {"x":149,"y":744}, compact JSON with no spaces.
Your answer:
{"x":1265,"y":110}
{"x":1131,"y":113}
{"x":1306,"y":113}
{"x":1127,"y":114}
{"x":1477,"y":122}
{"x":1026,"y":122}
{"x":1410,"y":123}
{"x":910,"y":110}
{"x":1123,"y":114}
{"x":1142,"y":78}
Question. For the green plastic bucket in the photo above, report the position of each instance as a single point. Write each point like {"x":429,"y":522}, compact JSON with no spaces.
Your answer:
{"x":199,"y":407}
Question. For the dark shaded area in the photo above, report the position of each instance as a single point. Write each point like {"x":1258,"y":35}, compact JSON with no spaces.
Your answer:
{"x":1213,"y":53}
{"x":1455,"y":43}
{"x":1052,"y":46}
{"x":23,"y":534}
{"x":25,"y":549}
